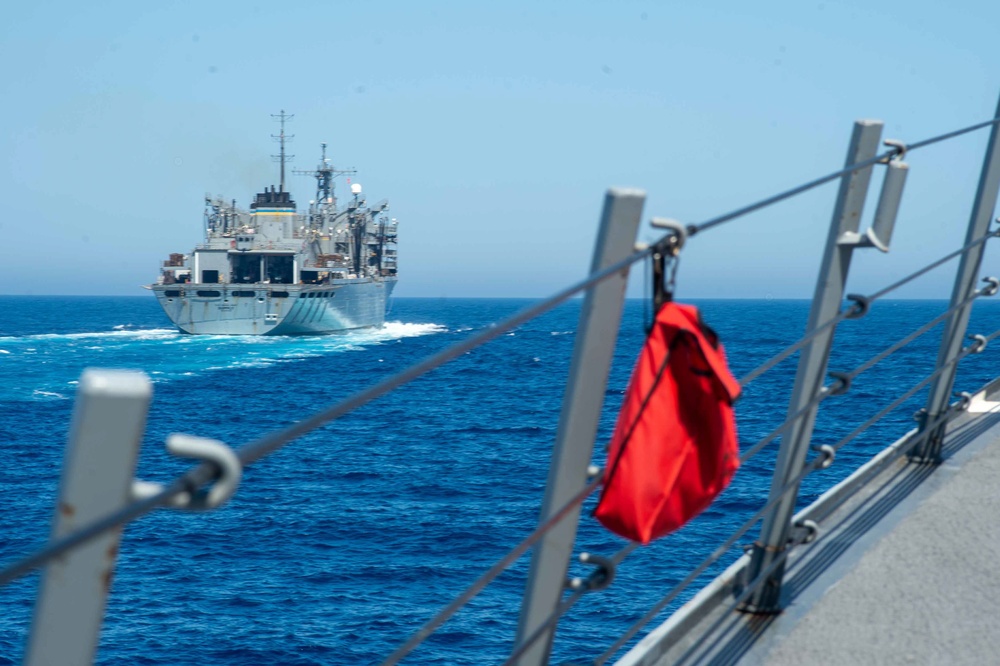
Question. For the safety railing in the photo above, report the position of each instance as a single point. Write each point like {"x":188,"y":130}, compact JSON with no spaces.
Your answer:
{"x":98,"y":493}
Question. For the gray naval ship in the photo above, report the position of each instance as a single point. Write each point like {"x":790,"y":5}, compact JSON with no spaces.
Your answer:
{"x":273,"y":271}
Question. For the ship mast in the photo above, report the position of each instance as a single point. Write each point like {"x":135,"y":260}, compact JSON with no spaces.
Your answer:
{"x":324,"y":175}
{"x":281,"y":138}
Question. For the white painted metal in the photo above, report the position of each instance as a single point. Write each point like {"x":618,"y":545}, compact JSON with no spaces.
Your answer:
{"x":108,"y":422}
{"x":965,"y":283}
{"x":813,"y":362}
{"x":581,"y":409}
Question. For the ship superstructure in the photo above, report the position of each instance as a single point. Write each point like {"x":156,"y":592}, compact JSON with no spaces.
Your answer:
{"x":271,"y":270}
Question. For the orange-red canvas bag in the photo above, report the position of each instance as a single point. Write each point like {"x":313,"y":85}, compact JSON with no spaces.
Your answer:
{"x":674,"y":447}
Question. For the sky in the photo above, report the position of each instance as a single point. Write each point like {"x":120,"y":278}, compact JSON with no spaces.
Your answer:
{"x":492,"y":129}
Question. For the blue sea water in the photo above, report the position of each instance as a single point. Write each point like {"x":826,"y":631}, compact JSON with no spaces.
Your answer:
{"x":340,"y":546}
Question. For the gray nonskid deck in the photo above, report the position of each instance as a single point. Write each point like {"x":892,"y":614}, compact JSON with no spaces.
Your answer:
{"x":919,"y":587}
{"x":903,"y":573}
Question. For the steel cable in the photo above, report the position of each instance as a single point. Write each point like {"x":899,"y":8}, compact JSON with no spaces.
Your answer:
{"x":624,"y":552}
{"x":561,"y":608}
{"x":628,"y":549}
{"x":826,"y":391}
{"x":764,"y":203}
{"x":431,"y":625}
{"x":820,"y":396}
{"x":929,"y":267}
{"x":847,"y":314}
{"x":762,"y":578}
{"x":745,"y":594}
{"x":204,"y":473}
{"x":892,"y":349}
{"x":951,"y":135}
{"x":693,"y":229}
{"x":270,"y":443}
{"x":808,"y":468}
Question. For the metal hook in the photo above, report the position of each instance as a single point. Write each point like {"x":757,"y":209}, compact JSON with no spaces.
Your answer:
{"x":843,"y":384}
{"x":680,"y":233}
{"x":599,"y":579}
{"x":862,"y":304}
{"x":979,"y":343}
{"x":964,"y":399}
{"x":991,"y":288}
{"x":811,"y":529}
{"x":827,"y":452}
{"x":230,"y":471}
{"x":900,"y":147}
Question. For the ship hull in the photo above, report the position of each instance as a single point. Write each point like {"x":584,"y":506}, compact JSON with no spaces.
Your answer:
{"x":276,"y":309}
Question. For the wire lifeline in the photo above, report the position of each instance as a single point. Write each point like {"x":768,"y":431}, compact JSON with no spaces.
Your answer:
{"x":205,"y":473}
{"x":972,"y":349}
{"x":691,"y":231}
{"x":822,"y":395}
{"x":757,"y":582}
{"x":745,"y":594}
{"x":560,"y":610}
{"x":787,"y":194}
{"x":878,"y":159}
{"x":263,"y":446}
{"x":951,"y":135}
{"x":913,"y":276}
{"x":810,"y":467}
{"x":815,"y":464}
{"x":98,"y":527}
{"x":431,"y":625}
{"x":716,"y":555}
{"x":269,"y":443}
{"x":565,"y":605}
{"x":849,"y":313}
{"x":889,"y":351}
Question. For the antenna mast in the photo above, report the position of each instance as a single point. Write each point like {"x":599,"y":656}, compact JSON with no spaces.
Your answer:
{"x":324,"y":175}
{"x":281,"y":138}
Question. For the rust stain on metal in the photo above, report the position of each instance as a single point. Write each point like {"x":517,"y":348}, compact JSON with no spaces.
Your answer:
{"x":66,"y":509}
{"x":113,"y":551}
{"x":106,"y":579}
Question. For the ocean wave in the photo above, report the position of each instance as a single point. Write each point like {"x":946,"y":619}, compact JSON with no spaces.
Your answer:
{"x":398,"y":329}
{"x":49,"y":395}
{"x":131,"y":334}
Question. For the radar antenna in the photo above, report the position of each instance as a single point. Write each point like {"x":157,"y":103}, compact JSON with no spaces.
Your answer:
{"x":281,"y":138}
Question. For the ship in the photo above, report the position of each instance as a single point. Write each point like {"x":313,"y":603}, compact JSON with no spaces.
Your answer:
{"x":270,"y":270}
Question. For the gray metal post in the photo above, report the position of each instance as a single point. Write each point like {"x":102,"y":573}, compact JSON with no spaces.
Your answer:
{"x":965,"y":282}
{"x":581,"y":411}
{"x":812,"y":363}
{"x":108,"y":421}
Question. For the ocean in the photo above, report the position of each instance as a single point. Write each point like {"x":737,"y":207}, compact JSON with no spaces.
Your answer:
{"x":337,"y":548}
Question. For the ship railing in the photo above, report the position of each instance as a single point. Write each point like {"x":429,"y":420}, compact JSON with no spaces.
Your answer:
{"x":98,"y":493}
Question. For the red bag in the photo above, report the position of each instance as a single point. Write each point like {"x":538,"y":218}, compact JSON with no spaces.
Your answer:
{"x":674,"y":447}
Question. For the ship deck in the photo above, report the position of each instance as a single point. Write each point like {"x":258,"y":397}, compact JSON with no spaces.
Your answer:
{"x":902,"y":573}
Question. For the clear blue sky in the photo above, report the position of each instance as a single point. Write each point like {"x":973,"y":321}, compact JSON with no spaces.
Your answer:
{"x":492,"y":129}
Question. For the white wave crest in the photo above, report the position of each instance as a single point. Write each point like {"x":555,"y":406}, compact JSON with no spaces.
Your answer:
{"x":49,"y":394}
{"x":130,"y":334}
{"x":398,"y":329}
